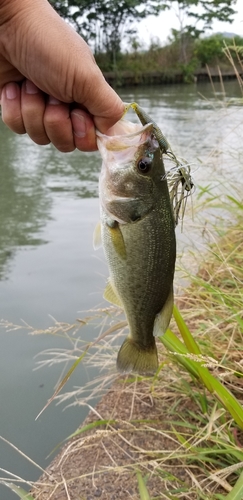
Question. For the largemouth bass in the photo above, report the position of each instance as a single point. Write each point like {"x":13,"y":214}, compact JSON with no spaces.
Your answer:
{"x":138,"y":235}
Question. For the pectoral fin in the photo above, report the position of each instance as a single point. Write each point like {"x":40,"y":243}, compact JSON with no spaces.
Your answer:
{"x":111,"y":295}
{"x":162,"y":320}
{"x":97,"y":243}
{"x":118,"y":240}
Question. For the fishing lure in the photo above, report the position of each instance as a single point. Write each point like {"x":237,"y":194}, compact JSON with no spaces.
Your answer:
{"x":179,"y":178}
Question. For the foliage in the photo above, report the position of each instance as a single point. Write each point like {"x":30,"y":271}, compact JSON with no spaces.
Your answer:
{"x":188,"y":71}
{"x":20,"y":492}
{"x":105,"y":23}
{"x":195,"y":364}
{"x":62,"y":7}
{"x":222,"y":10}
{"x":193,"y":21}
{"x":210,"y":50}
{"x":165,"y":60}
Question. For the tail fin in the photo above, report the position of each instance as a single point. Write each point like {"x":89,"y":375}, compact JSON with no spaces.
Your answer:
{"x":132,"y":357}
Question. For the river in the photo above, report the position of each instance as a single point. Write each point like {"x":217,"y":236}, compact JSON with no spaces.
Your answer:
{"x":48,"y":268}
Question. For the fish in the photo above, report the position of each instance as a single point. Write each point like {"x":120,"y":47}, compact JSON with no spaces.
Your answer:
{"x":137,"y":231}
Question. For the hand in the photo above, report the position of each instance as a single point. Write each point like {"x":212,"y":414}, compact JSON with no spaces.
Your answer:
{"x":50,"y":85}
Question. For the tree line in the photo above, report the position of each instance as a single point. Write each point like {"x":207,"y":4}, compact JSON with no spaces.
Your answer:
{"x":104,"y":24}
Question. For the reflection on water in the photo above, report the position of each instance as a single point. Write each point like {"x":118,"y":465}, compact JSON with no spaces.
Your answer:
{"x":23,"y":199}
{"x":76,"y":173}
{"x":29,"y":176}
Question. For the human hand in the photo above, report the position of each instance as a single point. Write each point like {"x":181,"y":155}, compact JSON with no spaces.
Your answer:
{"x":50,"y":85}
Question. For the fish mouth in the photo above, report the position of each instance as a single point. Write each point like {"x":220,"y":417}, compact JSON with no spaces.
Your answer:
{"x":123,"y":135}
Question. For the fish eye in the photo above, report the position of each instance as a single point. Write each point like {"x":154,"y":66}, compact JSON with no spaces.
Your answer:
{"x":144,"y":164}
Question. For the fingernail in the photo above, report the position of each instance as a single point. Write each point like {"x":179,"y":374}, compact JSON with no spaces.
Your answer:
{"x":53,"y":100}
{"x":30,"y":87}
{"x":11,"y":91}
{"x":79,"y":125}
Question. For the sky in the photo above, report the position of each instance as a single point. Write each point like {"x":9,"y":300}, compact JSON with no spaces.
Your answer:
{"x":160,"y":26}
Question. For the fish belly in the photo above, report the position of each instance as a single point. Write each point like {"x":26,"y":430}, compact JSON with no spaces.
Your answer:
{"x":143,"y":279}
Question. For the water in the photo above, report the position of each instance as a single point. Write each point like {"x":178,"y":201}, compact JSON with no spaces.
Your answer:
{"x":48,"y":268}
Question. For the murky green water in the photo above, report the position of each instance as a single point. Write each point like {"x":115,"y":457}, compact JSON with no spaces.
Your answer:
{"x":48,"y":211}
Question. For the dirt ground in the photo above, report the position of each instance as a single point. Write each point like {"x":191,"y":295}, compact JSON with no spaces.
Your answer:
{"x":102,"y":461}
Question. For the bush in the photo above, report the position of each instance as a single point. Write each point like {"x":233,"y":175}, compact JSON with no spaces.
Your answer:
{"x":209,"y":50}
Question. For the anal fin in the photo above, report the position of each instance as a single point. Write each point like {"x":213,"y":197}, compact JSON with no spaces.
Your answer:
{"x":162,"y":319}
{"x":111,"y":295}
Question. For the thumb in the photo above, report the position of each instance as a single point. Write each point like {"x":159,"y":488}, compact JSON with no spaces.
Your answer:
{"x":102,"y":102}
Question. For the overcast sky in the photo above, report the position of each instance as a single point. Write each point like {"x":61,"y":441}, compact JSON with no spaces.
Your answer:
{"x":161,"y":26}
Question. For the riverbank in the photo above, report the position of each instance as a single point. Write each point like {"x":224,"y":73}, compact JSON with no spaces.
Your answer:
{"x":166,"y":436}
{"x":136,"y":78}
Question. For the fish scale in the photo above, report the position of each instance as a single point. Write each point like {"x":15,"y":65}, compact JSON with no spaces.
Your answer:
{"x":138,"y":235}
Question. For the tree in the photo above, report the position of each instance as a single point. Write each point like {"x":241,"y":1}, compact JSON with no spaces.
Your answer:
{"x":64,"y":9}
{"x":106,"y":23}
{"x":201,"y":13}
{"x":211,"y":50}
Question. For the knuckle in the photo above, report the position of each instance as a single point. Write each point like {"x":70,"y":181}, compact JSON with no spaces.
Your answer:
{"x":51,"y":121}
{"x":15,"y":123}
{"x":86,"y":147}
{"x":41,"y":141}
{"x":65,"y":148}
